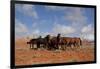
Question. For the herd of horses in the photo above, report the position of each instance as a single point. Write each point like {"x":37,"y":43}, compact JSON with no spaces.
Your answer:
{"x":52,"y":43}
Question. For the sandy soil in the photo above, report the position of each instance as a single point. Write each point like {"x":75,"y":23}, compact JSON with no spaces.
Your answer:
{"x":26,"y":56}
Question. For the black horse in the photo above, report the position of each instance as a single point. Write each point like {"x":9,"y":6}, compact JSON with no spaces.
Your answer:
{"x":32,"y":43}
{"x":38,"y":43}
{"x":41,"y":42}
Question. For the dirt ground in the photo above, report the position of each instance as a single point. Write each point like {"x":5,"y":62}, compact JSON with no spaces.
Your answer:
{"x":26,"y":56}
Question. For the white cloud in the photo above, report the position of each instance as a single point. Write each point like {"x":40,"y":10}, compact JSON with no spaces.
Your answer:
{"x":55,"y":8}
{"x":64,"y":30}
{"x":88,"y":32}
{"x":44,"y":34}
{"x":21,"y":30}
{"x":75,"y":15}
{"x":88,"y":29}
{"x":35,"y":33}
{"x":20,"y":27}
{"x":88,"y":37}
{"x":28,"y":10}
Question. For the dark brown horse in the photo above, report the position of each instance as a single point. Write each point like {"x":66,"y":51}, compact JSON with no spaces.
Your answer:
{"x":53,"y":43}
{"x":48,"y":42}
{"x":38,"y":43}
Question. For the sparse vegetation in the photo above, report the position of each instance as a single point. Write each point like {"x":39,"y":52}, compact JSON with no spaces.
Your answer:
{"x":25,"y":56}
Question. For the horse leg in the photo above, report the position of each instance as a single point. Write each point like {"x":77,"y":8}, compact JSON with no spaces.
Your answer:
{"x":74,"y":45}
{"x":57,"y":46}
{"x":60,"y":46}
{"x":64,"y":47}
{"x":66,"y":44}
{"x":30,"y":45}
{"x":70,"y":45}
{"x":46,"y":46}
{"x":35,"y":46}
{"x":39,"y":45}
{"x":77,"y":44}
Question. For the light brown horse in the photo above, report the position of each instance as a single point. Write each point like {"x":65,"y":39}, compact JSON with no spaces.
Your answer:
{"x":70,"y":41}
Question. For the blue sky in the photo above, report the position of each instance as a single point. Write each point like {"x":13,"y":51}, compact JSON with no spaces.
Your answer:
{"x":36,"y":20}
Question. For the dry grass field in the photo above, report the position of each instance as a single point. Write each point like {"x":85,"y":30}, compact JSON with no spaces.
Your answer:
{"x":26,"y":56}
